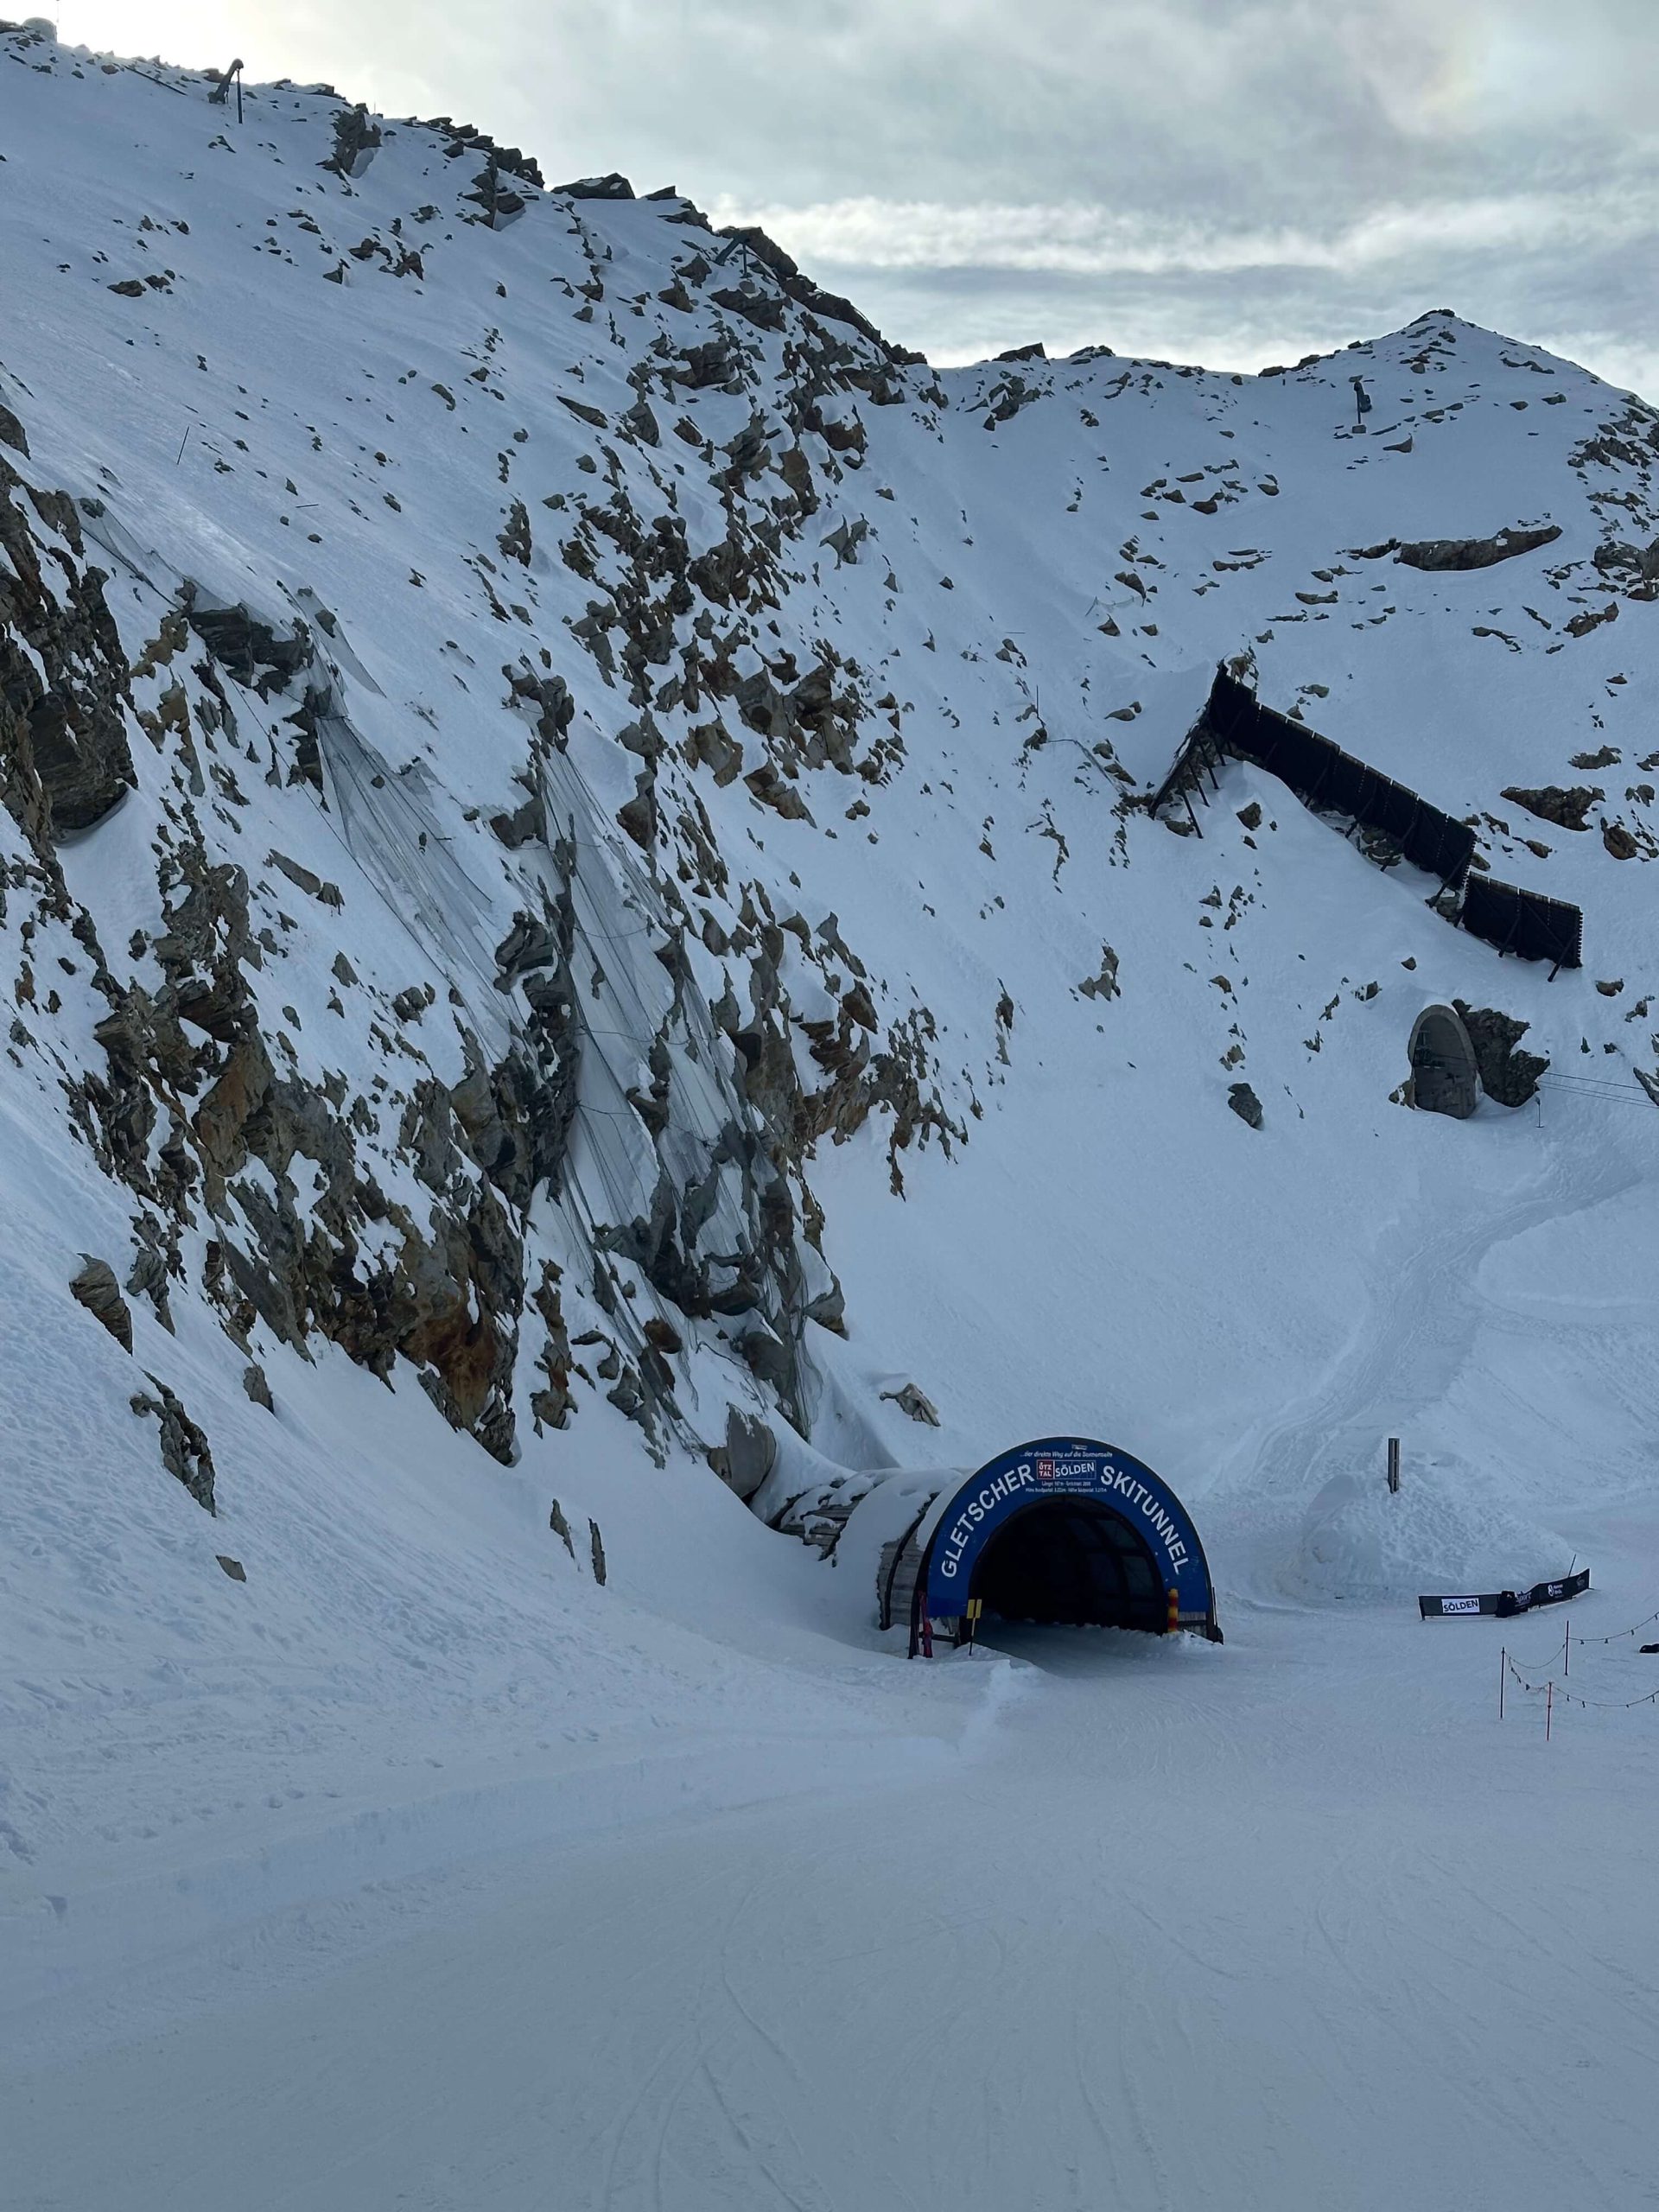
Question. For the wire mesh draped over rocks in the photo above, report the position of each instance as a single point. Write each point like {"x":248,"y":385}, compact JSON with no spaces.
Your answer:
{"x":447,"y":1290}
{"x":197,"y":1088}
{"x":65,"y":758}
{"x":247,"y":648}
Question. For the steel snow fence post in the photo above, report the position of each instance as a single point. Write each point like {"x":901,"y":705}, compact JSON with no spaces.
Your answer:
{"x":1503,"y":1675}
{"x":1550,"y":1703}
{"x":1394,"y":1462}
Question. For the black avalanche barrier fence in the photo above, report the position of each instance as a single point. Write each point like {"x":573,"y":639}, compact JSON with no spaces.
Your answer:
{"x":1506,"y":1603}
{"x":1323,"y":775}
{"x":1326,"y":778}
{"x":1524,"y":921}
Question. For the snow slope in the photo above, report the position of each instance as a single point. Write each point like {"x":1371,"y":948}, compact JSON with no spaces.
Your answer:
{"x":601,"y":940}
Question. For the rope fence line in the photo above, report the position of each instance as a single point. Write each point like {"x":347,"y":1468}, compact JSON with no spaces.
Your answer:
{"x":1553,"y":1692}
{"x":1619,"y":1635}
{"x":1601,"y":1705}
{"x":1533,"y":1689}
{"x":1553,"y":1689}
{"x":1606,"y":1705}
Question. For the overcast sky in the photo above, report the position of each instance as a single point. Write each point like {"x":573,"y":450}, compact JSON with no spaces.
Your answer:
{"x":1230,"y":181}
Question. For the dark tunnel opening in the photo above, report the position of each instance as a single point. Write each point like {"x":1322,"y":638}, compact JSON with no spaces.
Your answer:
{"x":1072,"y":1560}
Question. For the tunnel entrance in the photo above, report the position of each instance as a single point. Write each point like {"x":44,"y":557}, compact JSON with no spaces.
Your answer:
{"x":1445,"y":1078}
{"x":1060,"y":1530}
{"x":1072,"y":1560}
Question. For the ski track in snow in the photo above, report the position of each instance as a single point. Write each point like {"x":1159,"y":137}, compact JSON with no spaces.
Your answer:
{"x":1418,"y":1326}
{"x":1140,"y":1949}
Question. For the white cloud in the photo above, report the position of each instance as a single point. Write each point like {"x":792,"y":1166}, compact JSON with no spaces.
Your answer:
{"x":1081,"y":240}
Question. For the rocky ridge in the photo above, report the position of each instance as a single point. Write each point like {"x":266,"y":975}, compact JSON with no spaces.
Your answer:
{"x":424,"y":797}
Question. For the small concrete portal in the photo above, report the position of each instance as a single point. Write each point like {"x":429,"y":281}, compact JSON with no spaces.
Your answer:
{"x":1444,"y":1078}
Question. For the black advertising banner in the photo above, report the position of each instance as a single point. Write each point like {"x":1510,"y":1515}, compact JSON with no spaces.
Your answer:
{"x":1506,"y":1603}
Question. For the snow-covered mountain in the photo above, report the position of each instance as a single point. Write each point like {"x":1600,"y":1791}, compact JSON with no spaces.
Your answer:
{"x":583,"y":905}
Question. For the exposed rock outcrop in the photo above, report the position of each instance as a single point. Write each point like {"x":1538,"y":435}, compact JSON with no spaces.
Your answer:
{"x":96,"y":1288}
{"x":1506,"y":1074}
{"x":183,"y":1446}
{"x":613,"y":185}
{"x":65,"y":756}
{"x":1567,"y":808}
{"x":1442,"y":553}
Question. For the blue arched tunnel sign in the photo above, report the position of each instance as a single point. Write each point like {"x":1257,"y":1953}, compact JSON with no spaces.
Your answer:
{"x":1093,"y":1480}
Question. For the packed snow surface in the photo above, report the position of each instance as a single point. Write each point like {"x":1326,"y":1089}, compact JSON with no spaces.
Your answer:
{"x":534,"y":1827}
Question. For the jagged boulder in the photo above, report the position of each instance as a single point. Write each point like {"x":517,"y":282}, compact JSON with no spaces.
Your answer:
{"x":1567,"y":808}
{"x":184,"y":1447}
{"x":1506,"y":1074}
{"x":768,"y":251}
{"x":96,"y":1288}
{"x":612,"y":186}
{"x":915,"y":1404}
{"x":355,"y":139}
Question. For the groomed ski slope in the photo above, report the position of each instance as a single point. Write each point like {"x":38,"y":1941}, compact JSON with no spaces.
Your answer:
{"x":421,"y":1870}
{"x":1297,"y":1923}
{"x":1088,"y":1920}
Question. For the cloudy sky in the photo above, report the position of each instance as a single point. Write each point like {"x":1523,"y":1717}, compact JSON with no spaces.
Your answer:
{"x":1232,"y":182}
